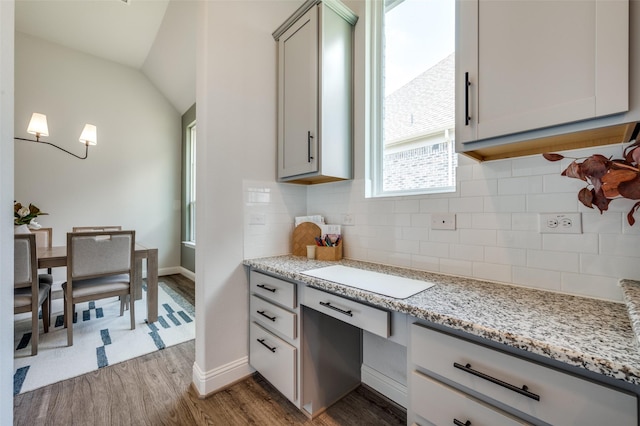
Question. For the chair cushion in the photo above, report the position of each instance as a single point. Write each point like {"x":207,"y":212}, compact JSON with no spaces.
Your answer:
{"x":22,"y":296}
{"x":100,"y":285}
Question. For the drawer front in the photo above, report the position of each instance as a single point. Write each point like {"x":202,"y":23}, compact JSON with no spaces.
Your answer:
{"x":273,"y":317}
{"x":274,"y":359}
{"x":277,"y":290}
{"x":563,"y":398}
{"x":362,"y":316}
{"x":441,"y":404}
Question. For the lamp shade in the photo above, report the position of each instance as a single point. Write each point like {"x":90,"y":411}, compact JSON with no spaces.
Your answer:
{"x":89,"y":135}
{"x":38,"y":125}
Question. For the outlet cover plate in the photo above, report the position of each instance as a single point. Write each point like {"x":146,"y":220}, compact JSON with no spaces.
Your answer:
{"x":560,"y":223}
{"x":443,"y":221}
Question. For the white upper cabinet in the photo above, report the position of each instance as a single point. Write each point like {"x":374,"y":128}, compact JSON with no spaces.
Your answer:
{"x":523,"y":65}
{"x":315,"y":93}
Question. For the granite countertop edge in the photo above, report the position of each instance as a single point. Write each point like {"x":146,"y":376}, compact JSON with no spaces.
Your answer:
{"x":562,"y":327}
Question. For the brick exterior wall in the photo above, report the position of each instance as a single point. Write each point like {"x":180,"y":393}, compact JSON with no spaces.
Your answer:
{"x":425,"y":167}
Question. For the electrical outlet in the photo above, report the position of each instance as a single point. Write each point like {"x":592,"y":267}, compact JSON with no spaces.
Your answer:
{"x":348,"y":219}
{"x":560,"y":223}
{"x":443,"y":221}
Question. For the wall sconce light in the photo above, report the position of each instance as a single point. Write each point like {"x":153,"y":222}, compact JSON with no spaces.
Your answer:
{"x":38,"y":126}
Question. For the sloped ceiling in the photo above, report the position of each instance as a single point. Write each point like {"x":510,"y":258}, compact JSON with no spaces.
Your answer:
{"x":154,"y":36}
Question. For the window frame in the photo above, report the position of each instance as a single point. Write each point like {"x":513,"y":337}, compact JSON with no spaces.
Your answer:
{"x":374,"y":106}
{"x":190,"y":184}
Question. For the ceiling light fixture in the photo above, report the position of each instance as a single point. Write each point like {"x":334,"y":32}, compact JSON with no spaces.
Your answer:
{"x":38,"y":126}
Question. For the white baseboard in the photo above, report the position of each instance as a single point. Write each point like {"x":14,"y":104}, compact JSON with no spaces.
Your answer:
{"x":187,"y":273}
{"x":397,"y":392}
{"x":222,"y":377}
{"x":169,"y":271}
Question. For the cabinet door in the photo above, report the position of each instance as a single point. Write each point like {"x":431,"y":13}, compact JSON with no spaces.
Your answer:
{"x":298,"y":97}
{"x":534,"y":64}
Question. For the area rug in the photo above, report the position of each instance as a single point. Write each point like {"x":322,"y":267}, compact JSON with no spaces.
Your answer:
{"x":101,"y":337}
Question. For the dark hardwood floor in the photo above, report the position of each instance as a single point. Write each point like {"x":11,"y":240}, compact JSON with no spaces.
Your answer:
{"x":155,"y":389}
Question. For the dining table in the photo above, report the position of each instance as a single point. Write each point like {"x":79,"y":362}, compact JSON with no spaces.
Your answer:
{"x":56,"y":256}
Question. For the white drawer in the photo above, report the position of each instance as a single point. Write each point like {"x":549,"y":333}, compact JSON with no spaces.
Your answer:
{"x":273,"y":317}
{"x":274,"y":359}
{"x":279,"y":291}
{"x":441,"y":405}
{"x":360,"y":315}
{"x":563,"y":398}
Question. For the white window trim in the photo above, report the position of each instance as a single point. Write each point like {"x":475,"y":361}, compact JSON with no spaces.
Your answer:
{"x":374,"y":102}
{"x":190,"y":207}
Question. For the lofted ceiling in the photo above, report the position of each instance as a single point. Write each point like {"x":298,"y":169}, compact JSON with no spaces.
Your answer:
{"x":156,"y":37}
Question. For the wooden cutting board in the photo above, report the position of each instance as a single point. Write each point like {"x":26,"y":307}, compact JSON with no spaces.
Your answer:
{"x":303,"y":235}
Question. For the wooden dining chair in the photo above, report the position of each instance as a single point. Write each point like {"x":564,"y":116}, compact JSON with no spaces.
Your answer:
{"x":100,"y":264}
{"x":29,"y":294}
{"x":44,"y":238}
{"x":96,"y":228}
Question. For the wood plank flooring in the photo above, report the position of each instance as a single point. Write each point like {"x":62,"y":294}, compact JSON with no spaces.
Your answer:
{"x":155,"y":389}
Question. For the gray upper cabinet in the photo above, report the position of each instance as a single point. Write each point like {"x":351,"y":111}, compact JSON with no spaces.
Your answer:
{"x":523,"y":66}
{"x":315,"y":90}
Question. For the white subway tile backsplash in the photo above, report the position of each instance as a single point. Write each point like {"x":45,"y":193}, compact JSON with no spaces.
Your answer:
{"x":466,"y":205}
{"x":591,"y":286}
{"x":506,"y":203}
{"x":525,"y":222}
{"x":579,"y":243}
{"x":425,"y":263}
{"x":553,"y":260}
{"x":537,"y":278}
{"x":552,"y":203}
{"x":406,"y":206}
{"x":478,"y":237}
{"x":466,"y":252}
{"x":496,"y":237}
{"x":520,"y":185}
{"x":491,"y":220}
{"x":492,"y":272}
{"x":612,"y":266}
{"x":475,"y":188}
{"x":456,"y":267}
{"x":434,"y":205}
{"x":434,"y":249}
{"x":594,"y":222}
{"x":505,"y":256}
{"x":492,"y":170}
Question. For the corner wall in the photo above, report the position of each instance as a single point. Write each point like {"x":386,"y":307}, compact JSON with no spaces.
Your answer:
{"x":6,"y":215}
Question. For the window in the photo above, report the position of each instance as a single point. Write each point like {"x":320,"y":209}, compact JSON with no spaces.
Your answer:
{"x":191,"y":182}
{"x":412,"y":72}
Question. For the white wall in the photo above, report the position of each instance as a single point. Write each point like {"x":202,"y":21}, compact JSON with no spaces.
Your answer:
{"x":131,"y":178}
{"x":235,"y":96}
{"x":6,"y":215}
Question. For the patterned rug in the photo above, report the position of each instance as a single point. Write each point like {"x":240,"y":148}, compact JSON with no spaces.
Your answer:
{"x":101,"y":337}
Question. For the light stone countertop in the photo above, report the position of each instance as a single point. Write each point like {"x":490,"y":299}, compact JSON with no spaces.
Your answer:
{"x":592,"y":334}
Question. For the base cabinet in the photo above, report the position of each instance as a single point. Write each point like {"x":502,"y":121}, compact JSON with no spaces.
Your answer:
{"x":311,"y":358}
{"x":531,"y":393}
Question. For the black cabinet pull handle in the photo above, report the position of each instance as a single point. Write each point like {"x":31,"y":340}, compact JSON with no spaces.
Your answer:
{"x":272,"y":290}
{"x":522,"y":391}
{"x":266,"y":316}
{"x":266,"y":346}
{"x":309,"y":137}
{"x":467,"y":83}
{"x":330,"y":306}
{"x":459,"y":423}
